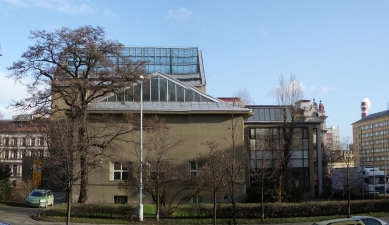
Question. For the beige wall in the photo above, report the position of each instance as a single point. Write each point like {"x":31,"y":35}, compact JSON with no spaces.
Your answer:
{"x":381,"y":151}
{"x":193,"y":130}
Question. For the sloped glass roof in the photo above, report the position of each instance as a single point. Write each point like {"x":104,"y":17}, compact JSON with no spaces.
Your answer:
{"x":162,"y":89}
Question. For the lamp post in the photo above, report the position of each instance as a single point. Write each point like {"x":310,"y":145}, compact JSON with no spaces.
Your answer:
{"x":140,"y":206}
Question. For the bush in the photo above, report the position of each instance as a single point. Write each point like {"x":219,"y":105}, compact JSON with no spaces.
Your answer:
{"x":5,"y":190}
{"x":21,"y":191}
{"x":288,"y":194}
{"x":103,"y":211}
{"x":285,"y":210}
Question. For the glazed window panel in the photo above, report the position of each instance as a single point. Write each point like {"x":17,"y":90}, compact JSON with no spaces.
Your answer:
{"x":163,"y":89}
{"x":180,"y":94}
{"x":154,"y":90}
{"x":172,"y":91}
{"x":189,"y":95}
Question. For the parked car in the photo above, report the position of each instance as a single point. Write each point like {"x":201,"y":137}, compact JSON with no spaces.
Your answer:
{"x":40,"y":198}
{"x":369,"y":220}
{"x":342,"y":221}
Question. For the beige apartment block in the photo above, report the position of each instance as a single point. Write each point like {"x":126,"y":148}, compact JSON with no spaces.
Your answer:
{"x":371,"y":140}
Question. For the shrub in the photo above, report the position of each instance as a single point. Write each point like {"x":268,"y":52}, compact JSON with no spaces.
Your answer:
{"x":103,"y":211}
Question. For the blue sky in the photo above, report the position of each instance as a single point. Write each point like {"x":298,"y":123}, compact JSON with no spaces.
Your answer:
{"x":338,"y":50}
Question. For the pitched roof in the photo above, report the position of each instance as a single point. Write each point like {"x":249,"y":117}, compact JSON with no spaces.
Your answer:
{"x":373,"y":116}
{"x":205,"y":103}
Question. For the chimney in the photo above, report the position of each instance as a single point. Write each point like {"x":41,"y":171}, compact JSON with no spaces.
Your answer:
{"x":364,"y":108}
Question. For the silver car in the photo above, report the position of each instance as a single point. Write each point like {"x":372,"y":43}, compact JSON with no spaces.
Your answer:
{"x":369,"y":220}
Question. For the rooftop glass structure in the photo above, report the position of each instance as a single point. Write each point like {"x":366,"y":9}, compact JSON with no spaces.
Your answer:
{"x":268,"y":113}
{"x":161,"y":89}
{"x":183,"y":64}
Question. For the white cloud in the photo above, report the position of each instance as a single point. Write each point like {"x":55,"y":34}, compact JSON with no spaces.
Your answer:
{"x":64,"y":6}
{"x":10,"y":91}
{"x":182,"y":15}
{"x":17,"y":3}
{"x":305,"y":88}
{"x":109,"y":13}
{"x":325,"y":90}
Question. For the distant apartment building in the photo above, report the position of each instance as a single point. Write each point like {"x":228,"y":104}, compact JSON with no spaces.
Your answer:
{"x":371,"y":139}
{"x":20,"y":139}
{"x":333,"y":139}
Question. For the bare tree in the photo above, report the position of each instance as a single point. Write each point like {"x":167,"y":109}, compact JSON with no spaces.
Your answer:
{"x":261,"y":163}
{"x":99,"y":144}
{"x":234,"y":167}
{"x":242,"y":98}
{"x":213,"y":172}
{"x":288,"y":94}
{"x":67,"y":70}
{"x":168,"y":187}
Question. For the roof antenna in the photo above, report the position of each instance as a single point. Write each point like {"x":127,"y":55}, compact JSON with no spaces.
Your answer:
{"x":0,"y":50}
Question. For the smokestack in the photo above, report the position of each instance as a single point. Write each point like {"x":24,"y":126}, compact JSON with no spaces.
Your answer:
{"x":365,"y":105}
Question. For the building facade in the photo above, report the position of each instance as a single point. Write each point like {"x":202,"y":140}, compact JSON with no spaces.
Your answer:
{"x":371,"y":140}
{"x":333,"y":139}
{"x":19,"y":140}
{"x":309,"y":136}
{"x":192,"y":116}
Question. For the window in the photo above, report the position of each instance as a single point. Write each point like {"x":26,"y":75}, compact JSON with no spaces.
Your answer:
{"x":6,"y":154}
{"x":194,"y":168}
{"x":32,"y":142}
{"x":196,"y":199}
{"x":14,"y":170}
{"x":23,"y":142}
{"x":41,"y":141}
{"x":120,"y":172}
{"x":6,"y":141}
{"x":120,"y":199}
{"x":14,"y":142}
{"x":15,"y":154}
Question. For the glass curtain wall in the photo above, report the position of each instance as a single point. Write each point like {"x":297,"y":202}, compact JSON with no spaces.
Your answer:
{"x":266,"y":151}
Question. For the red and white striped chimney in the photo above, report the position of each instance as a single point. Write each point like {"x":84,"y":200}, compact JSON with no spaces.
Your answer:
{"x":364,"y":108}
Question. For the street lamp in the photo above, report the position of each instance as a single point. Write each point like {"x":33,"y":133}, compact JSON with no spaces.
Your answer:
{"x":140,"y":206}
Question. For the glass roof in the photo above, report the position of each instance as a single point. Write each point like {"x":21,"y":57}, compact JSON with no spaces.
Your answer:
{"x":161,"y":89}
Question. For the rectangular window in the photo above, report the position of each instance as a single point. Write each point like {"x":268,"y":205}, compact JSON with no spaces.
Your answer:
{"x":15,"y":170}
{"x":32,"y":142}
{"x":6,"y":141}
{"x":120,"y":199}
{"x":15,"y":154}
{"x":120,"y":172}
{"x":24,"y":142}
{"x":197,"y":199}
{"x":14,"y":142}
{"x":41,"y":141}
{"x":6,"y":154}
{"x":194,"y":168}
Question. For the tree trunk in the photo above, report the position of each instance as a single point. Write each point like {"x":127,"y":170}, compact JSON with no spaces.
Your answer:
{"x":83,"y":197}
{"x":214,"y":207}
{"x":262,"y":206}
{"x":157,"y":206}
{"x":69,"y":201}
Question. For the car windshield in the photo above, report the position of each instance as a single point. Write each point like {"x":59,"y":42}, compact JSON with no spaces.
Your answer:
{"x":38,"y":193}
